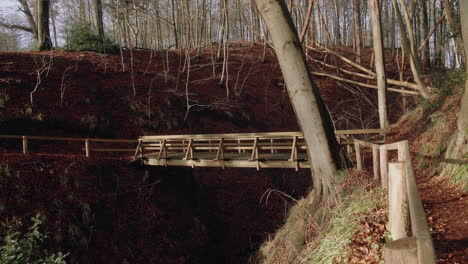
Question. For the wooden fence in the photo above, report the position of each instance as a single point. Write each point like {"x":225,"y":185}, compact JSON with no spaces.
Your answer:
{"x":88,"y":145}
{"x":411,"y":237}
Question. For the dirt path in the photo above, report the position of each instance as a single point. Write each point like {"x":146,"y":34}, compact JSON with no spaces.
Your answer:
{"x":447,"y":212}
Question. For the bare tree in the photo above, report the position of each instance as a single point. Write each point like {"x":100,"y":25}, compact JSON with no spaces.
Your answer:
{"x":305,"y":97}
{"x":379,"y":61}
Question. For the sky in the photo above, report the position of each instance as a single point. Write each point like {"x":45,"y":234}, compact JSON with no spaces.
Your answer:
{"x":8,"y":6}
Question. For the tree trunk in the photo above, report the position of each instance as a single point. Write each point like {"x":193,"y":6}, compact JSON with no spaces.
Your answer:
{"x":379,"y":61}
{"x":308,"y":105}
{"x":463,"y":115}
{"x":357,"y":28}
{"x":98,"y":18}
{"x":425,"y":19}
{"x":458,"y":45}
{"x":43,"y":41}
{"x":458,"y":147}
{"x":408,"y":43}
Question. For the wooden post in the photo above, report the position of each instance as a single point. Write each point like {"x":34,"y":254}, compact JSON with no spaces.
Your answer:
{"x":189,"y":151}
{"x":375,"y":161}
{"x":272,"y":145}
{"x":402,"y":146}
{"x":398,"y":220}
{"x":25,"y":145}
{"x":358,"y":155}
{"x":87,"y":148}
{"x":384,"y":166}
{"x":294,"y":150}
{"x":401,"y":251}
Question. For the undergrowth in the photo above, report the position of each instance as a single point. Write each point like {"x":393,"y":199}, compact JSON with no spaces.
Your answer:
{"x":324,"y":234}
{"x":19,"y":247}
{"x":342,"y":223}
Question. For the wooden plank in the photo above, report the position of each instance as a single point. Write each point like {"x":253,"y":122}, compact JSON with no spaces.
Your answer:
{"x":361,"y":131}
{"x":226,"y":163}
{"x":357,"y":147}
{"x":398,"y":220}
{"x":419,"y":226}
{"x":88,"y":154}
{"x":162,"y":150}
{"x":384,"y":166}
{"x":401,"y":251}
{"x":109,"y":150}
{"x":220,"y":152}
{"x":11,"y":137}
{"x":366,"y":144}
{"x":254,"y":155}
{"x":375,"y":162}
{"x":279,"y":135}
{"x":189,"y":152}
{"x":138,"y":150}
{"x":25,"y":145}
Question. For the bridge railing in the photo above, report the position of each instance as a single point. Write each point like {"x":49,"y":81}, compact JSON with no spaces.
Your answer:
{"x":218,"y":147}
{"x":412,"y":242}
{"x":88,"y":145}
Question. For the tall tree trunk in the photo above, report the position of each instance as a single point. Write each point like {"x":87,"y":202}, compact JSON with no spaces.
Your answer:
{"x":463,"y":115}
{"x":306,"y":23}
{"x":98,"y":18}
{"x":357,"y":28}
{"x":308,"y":105}
{"x":379,"y":61}
{"x":43,"y":41}
{"x":408,"y":42}
{"x":425,"y":19}
{"x":458,"y":45}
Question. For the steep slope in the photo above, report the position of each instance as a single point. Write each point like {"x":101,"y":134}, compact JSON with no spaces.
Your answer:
{"x":116,"y":214}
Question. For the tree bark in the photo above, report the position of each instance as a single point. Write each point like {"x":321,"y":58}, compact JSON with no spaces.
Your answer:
{"x":357,"y":28}
{"x":454,"y":29}
{"x":43,"y":40}
{"x":379,"y":61}
{"x":308,"y":105}
{"x":98,"y":18}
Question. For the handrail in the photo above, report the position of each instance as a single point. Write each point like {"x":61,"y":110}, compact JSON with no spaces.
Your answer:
{"x":261,"y":135}
{"x":87,"y":142}
{"x":408,"y":198}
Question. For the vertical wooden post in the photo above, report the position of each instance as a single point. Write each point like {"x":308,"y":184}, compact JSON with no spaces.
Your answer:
{"x":87,"y":148}
{"x":272,"y":145}
{"x":25,"y":145}
{"x":402,"y":145}
{"x":398,"y":220}
{"x":357,"y":147}
{"x":375,"y":161}
{"x":384,"y":166}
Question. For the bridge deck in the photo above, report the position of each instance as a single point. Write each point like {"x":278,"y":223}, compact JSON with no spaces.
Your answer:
{"x":265,"y":160}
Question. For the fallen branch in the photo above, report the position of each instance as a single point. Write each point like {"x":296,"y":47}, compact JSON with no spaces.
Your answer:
{"x":389,"y":81}
{"x":397,"y":90}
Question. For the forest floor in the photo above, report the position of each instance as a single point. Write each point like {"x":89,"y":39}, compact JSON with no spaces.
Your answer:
{"x":98,"y":101}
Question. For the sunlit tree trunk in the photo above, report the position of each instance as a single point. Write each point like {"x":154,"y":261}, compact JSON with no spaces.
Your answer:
{"x":305,"y":97}
{"x":379,"y":61}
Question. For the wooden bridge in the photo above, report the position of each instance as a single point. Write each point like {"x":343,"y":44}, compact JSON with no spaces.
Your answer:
{"x":245,"y":150}
{"x":240,"y":150}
